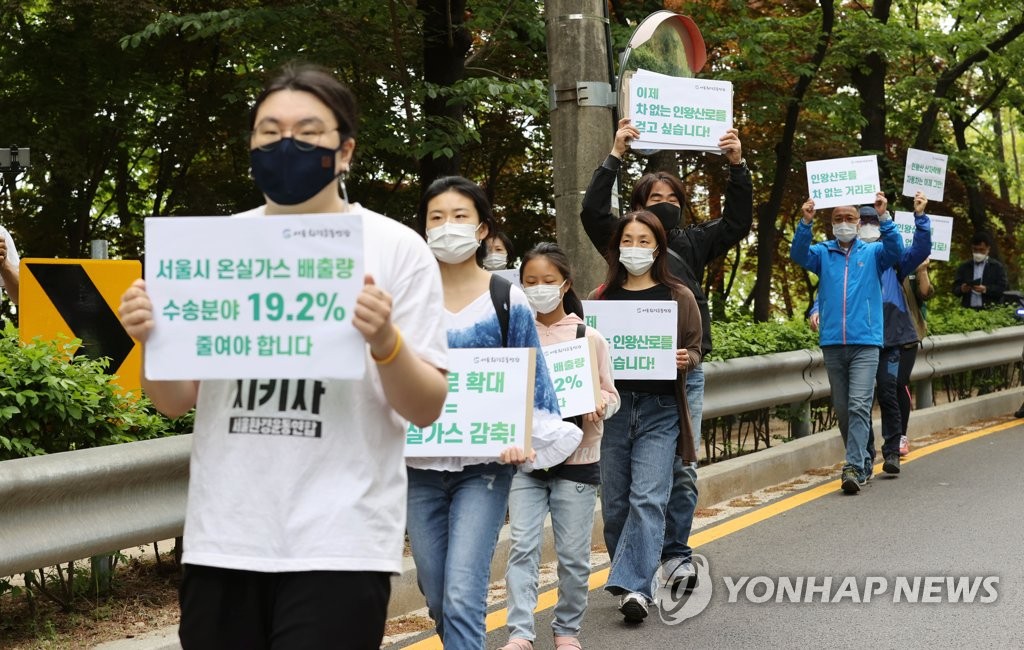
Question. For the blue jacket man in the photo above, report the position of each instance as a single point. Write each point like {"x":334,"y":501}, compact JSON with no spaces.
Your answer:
{"x":851,"y":332}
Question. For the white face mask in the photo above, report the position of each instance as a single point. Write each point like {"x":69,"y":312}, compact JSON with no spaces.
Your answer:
{"x":545,"y":298}
{"x":453,"y":243}
{"x":636,"y":259}
{"x":844,"y":232}
{"x":495,"y":261}
{"x":869,"y":232}
{"x":980,"y":257}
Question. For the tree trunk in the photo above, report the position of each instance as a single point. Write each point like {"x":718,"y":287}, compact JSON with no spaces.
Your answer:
{"x":446,"y":42}
{"x":871,"y":85}
{"x":767,"y":231}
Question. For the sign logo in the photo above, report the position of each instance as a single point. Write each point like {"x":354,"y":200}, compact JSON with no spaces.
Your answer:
{"x":675,"y":602}
{"x":79,"y":298}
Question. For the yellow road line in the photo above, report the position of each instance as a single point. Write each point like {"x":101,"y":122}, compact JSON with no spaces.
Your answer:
{"x":547,"y":599}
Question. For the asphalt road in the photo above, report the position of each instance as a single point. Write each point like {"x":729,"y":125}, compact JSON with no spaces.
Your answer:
{"x":953,"y":516}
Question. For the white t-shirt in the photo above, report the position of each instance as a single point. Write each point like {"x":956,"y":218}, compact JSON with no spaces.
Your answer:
{"x":307,"y":475}
{"x":12,"y":252}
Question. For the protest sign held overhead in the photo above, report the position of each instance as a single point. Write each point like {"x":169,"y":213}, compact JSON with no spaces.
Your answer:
{"x":679,"y":112}
{"x":842,"y":181}
{"x":942,"y":233}
{"x":925,"y":172}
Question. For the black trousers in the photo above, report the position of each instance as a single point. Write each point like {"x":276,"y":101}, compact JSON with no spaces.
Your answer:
{"x":226,"y":608}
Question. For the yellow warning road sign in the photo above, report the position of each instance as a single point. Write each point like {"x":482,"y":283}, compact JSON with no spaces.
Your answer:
{"x":79,"y":298}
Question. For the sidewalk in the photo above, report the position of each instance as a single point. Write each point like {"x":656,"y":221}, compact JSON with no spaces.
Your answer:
{"x":716,"y":484}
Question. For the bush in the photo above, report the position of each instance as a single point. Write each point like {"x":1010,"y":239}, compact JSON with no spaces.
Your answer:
{"x":743,"y":337}
{"x":51,"y":401}
{"x":946,"y":316}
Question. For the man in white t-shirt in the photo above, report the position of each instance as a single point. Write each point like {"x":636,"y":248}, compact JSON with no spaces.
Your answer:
{"x":9,"y":265}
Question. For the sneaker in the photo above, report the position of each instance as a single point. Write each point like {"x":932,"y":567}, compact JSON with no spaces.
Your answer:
{"x":851,"y":481}
{"x":633,"y":607}
{"x":905,"y":446}
{"x":891,"y":464}
{"x":679,"y":570}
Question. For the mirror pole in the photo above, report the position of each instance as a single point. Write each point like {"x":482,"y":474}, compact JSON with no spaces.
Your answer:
{"x":581,"y":136}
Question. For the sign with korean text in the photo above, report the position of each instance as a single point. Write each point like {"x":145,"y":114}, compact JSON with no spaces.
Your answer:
{"x":573,"y":369}
{"x":926,"y":171}
{"x":842,"y":181}
{"x":265,"y":296}
{"x":489,"y":405}
{"x":79,"y":299}
{"x":679,"y":112}
{"x":942,"y":233}
{"x":641,"y":336}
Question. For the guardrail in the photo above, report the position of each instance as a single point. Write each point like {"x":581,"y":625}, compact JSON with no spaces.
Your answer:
{"x":77,"y":504}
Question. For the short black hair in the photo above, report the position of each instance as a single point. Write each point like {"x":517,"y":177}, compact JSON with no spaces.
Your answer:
{"x":981,"y":237}
{"x":468,"y":189}
{"x":319,"y":82}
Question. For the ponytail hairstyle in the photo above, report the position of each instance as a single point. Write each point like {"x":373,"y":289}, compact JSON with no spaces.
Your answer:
{"x":554,"y":254}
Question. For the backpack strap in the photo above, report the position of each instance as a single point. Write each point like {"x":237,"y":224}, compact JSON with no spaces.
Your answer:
{"x":581,"y":330}
{"x":501,"y":296}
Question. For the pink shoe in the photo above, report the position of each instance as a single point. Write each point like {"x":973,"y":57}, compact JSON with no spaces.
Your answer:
{"x":567,"y":643}
{"x":517,"y":644}
{"x":904,"y":446}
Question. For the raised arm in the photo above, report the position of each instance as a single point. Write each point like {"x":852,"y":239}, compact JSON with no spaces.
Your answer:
{"x":800,"y":251}
{"x":596,"y":213}
{"x":718,"y":236}
{"x":921,"y":246}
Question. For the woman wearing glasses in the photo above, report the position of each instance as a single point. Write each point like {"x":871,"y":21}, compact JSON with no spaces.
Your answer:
{"x":292,"y":539}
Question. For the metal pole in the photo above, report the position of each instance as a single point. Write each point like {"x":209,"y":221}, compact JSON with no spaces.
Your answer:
{"x":581,"y":121}
{"x":98,"y":249}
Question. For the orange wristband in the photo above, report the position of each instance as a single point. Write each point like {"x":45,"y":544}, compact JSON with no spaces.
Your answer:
{"x":394,"y":351}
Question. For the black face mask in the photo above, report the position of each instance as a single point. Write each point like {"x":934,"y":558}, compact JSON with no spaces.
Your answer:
{"x":288,"y":175}
{"x":668,"y":214}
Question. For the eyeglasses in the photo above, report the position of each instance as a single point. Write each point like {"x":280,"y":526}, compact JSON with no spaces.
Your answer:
{"x":848,"y":218}
{"x":306,"y":134}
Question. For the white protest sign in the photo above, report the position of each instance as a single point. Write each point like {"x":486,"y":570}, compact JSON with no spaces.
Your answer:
{"x":573,"y":369}
{"x":512,"y":275}
{"x":237,"y":297}
{"x":489,"y":405}
{"x":679,"y":112}
{"x":641,"y":336}
{"x":942,"y":233}
{"x":926,"y":171}
{"x":842,"y":181}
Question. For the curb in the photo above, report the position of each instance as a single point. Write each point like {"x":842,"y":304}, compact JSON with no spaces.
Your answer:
{"x":715,"y":483}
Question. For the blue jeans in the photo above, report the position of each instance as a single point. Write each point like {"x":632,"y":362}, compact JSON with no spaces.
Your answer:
{"x":851,"y":374}
{"x":683,"y":500}
{"x":637,"y":451}
{"x":572,"y":520}
{"x":453,"y":520}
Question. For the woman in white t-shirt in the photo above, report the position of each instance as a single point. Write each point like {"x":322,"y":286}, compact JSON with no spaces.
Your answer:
{"x":457,"y":505}
{"x":293,"y":529}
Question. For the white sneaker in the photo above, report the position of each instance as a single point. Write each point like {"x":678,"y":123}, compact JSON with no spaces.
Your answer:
{"x":633,"y":607}
{"x":677,"y":570}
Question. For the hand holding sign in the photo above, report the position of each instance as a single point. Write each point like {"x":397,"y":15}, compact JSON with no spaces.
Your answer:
{"x":731,"y":146}
{"x":920,"y":202}
{"x":372,"y":317}
{"x":136,"y":311}
{"x":626,"y":134}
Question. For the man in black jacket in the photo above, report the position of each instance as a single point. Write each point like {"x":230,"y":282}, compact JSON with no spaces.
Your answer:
{"x":982,"y":281}
{"x":691,"y":248}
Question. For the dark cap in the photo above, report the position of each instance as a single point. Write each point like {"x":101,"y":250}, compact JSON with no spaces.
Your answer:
{"x":868,"y":214}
